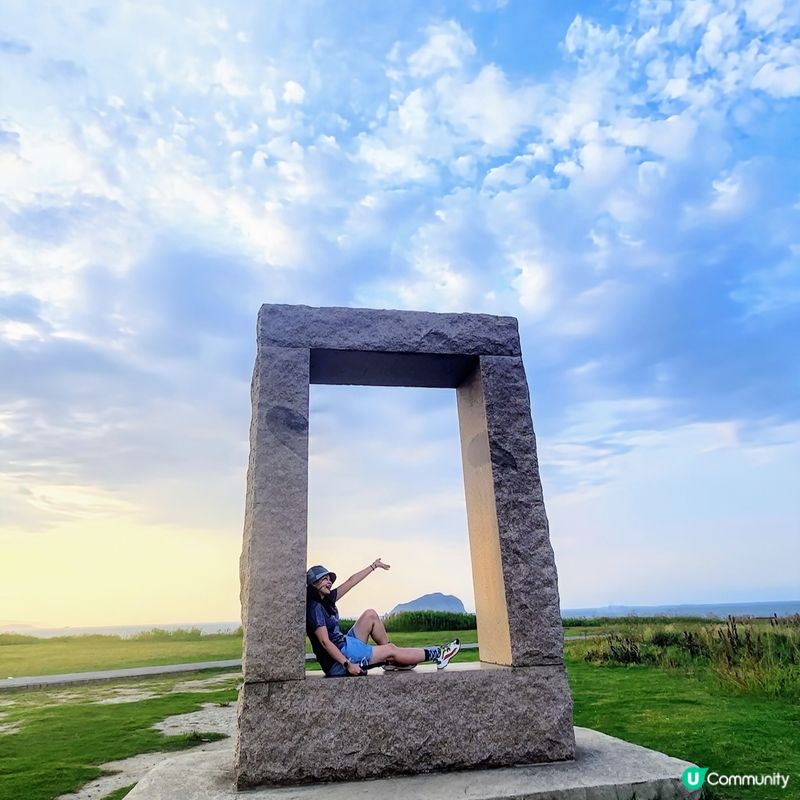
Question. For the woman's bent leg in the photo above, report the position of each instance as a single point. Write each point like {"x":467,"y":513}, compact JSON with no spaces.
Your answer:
{"x":370,"y":624}
{"x":402,"y":656}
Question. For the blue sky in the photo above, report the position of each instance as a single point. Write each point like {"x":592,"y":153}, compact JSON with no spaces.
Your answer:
{"x":623,"y":179}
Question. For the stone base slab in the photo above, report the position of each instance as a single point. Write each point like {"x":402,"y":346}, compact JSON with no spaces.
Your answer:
{"x":604,"y":768}
{"x":469,"y":716}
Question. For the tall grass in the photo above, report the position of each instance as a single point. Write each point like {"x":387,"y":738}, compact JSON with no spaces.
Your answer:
{"x":430,"y":621}
{"x":744,"y":658}
{"x":160,"y":634}
{"x":17,"y":638}
{"x":420,"y":621}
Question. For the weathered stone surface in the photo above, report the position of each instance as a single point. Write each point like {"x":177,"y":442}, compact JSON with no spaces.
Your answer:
{"x":516,"y":586}
{"x":293,"y":728}
{"x":368,"y":329}
{"x":273,"y":561}
{"x":604,"y":767}
{"x":325,"y":729}
{"x":529,"y":570}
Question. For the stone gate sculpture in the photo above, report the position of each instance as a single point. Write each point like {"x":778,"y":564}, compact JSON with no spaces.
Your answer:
{"x":514,"y":706}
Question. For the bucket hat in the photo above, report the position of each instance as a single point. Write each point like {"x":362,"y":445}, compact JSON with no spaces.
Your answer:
{"x":316,"y":573}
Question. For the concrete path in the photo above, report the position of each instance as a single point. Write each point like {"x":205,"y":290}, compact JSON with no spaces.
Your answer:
{"x":41,"y":681}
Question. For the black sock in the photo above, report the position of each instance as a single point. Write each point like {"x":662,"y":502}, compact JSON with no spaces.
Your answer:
{"x":432,"y":653}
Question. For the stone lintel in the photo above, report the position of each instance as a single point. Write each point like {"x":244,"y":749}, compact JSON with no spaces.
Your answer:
{"x":273,"y":562}
{"x":388,"y":331}
{"x":347,"y":729}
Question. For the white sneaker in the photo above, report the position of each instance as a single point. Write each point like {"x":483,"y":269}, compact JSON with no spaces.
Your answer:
{"x":398,"y":667}
{"x":448,"y":651}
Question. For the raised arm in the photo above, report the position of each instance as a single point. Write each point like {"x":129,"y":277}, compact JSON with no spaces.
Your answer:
{"x":353,"y":580}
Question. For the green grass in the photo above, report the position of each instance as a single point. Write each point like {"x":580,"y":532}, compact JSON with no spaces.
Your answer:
{"x":686,"y":714}
{"x":60,"y":744}
{"x":683,"y":711}
{"x":119,"y":793}
{"x":84,"y":654}
{"x":412,"y":621}
{"x":88,"y":653}
{"x":410,"y":639}
{"x":27,"y":655}
{"x":747,"y":659}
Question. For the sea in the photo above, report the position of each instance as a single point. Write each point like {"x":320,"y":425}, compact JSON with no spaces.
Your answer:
{"x":782,"y":608}
{"x":116,"y":630}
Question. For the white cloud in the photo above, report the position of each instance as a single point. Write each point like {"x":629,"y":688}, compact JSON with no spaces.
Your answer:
{"x":531,"y":283}
{"x":763,"y":14}
{"x":488,"y":109}
{"x":635,"y":515}
{"x":229,"y":78}
{"x":293,"y":92}
{"x":513,"y":173}
{"x":585,"y":39}
{"x":447,"y":48}
{"x":632,"y":203}
{"x":778,"y":81}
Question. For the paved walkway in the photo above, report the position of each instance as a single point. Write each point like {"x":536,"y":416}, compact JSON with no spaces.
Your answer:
{"x":41,"y":681}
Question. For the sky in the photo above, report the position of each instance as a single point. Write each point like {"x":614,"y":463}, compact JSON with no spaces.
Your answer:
{"x":622,"y":178}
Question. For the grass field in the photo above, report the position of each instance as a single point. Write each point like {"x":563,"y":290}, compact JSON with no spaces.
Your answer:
{"x":57,"y":738}
{"x":64,"y":734}
{"x":87,"y":653}
{"x":687,"y":715}
{"x":22,"y":656}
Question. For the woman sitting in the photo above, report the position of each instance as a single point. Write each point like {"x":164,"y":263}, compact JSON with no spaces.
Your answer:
{"x":341,"y":655}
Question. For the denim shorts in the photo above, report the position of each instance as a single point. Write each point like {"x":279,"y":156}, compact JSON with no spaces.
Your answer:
{"x":356,"y":652}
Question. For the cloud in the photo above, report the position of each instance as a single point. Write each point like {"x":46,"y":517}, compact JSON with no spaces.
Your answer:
{"x":57,"y":221}
{"x":627,"y":188}
{"x":62,"y":69}
{"x":14,"y":47}
{"x":9,"y":141}
{"x":668,"y":495}
{"x":488,"y":110}
{"x":293,"y":92}
{"x":404,"y":444}
{"x":447,"y":48}
{"x":778,"y":81}
{"x":20,"y":307}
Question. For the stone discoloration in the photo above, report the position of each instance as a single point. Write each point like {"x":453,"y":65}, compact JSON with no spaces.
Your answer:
{"x":402,"y":723}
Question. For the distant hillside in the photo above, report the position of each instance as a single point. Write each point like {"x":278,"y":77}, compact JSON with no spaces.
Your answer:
{"x":432,"y":602}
